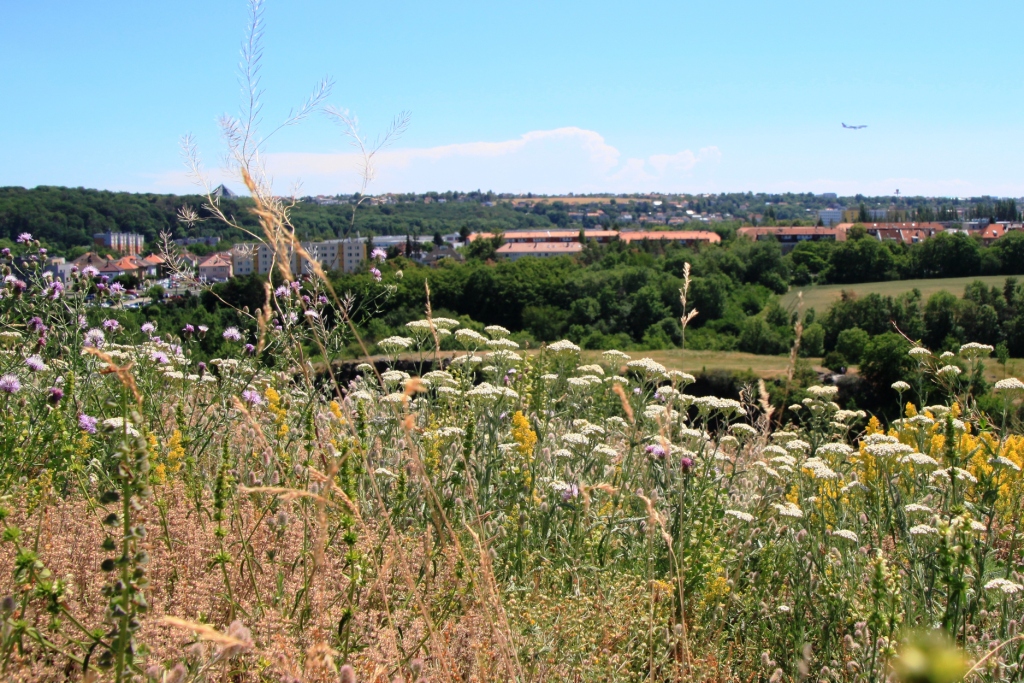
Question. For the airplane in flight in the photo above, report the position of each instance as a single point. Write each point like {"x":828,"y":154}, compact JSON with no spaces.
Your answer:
{"x":853,"y":127}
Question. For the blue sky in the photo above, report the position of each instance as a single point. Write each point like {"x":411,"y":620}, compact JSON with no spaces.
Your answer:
{"x":730,"y":95}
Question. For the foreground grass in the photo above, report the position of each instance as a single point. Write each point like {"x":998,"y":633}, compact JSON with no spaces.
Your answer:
{"x":820,"y":297}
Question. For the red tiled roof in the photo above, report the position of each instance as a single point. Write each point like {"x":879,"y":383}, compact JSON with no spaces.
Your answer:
{"x":680,"y":235}
{"x":540,"y":248}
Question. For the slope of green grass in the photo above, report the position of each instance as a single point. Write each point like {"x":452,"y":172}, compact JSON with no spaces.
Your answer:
{"x":820,"y":297}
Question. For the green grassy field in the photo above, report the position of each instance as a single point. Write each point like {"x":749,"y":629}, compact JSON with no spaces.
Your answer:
{"x":819,"y":297}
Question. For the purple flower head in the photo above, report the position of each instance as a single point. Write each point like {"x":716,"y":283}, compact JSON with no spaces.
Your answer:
{"x":100,"y":287}
{"x":35,"y":363}
{"x":202,"y":369}
{"x":159,"y":357}
{"x":90,"y":271}
{"x":306,"y":299}
{"x":249,"y":349}
{"x":111,"y":325}
{"x":282,"y":292}
{"x":188,"y":329}
{"x":232,"y":334}
{"x":9,"y":384}
{"x":42,"y":251}
{"x":570,"y":492}
{"x":20,"y":286}
{"x":105,"y":279}
{"x":56,"y":289}
{"x":87,"y":424}
{"x":155,"y":340}
{"x":655,"y":450}
{"x":6,"y":251}
{"x":94,"y":338}
{"x":686,"y":464}
{"x":376,"y":274}
{"x":116,"y":288}
{"x":296,"y":285}
{"x":54,"y":395}
{"x":24,"y":238}
{"x":252,"y":397}
{"x":378,"y":254}
{"x":312,"y":314}
{"x":148,"y":328}
{"x":203,"y":329}
{"x":36,"y":324}
{"x":83,"y":322}
{"x":322,"y":300}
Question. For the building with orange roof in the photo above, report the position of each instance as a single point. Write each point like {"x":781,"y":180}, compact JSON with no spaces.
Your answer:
{"x":686,"y":237}
{"x":215,"y":268}
{"x":517,"y":250}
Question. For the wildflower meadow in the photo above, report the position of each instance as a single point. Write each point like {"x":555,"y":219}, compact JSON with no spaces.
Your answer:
{"x":495,"y":513}
{"x":505,"y":515}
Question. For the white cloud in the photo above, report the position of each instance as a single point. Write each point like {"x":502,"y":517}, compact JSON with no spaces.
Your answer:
{"x":545,"y":161}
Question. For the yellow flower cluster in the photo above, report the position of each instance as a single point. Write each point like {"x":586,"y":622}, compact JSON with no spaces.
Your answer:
{"x":279,"y":412}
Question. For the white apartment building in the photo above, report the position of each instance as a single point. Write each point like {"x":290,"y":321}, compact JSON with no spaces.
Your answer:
{"x":345,"y":255}
{"x":830,"y":216}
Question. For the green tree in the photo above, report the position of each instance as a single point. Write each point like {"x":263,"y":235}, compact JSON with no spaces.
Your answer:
{"x":885,"y":360}
{"x":851,"y":343}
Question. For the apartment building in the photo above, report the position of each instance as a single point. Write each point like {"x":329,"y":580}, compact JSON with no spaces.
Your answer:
{"x":790,"y":236}
{"x":346,"y":255}
{"x":124,"y":242}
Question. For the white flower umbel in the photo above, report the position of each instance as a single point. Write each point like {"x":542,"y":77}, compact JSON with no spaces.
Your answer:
{"x":788,"y":509}
{"x":1006,"y":586}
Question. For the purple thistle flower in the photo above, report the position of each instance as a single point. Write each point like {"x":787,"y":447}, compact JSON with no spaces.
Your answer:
{"x":20,"y":286}
{"x":54,"y":395}
{"x":83,"y":322}
{"x":296,"y":285}
{"x":36,"y":324}
{"x":378,"y":254}
{"x":9,"y":384}
{"x":35,"y":363}
{"x":655,"y":450}
{"x":570,"y":492}
{"x":249,"y":349}
{"x":203,"y":329}
{"x":87,"y":424}
{"x":116,"y":288}
{"x":686,"y":464}
{"x":282,"y":292}
{"x":159,"y":357}
{"x":148,"y":328}
{"x":111,"y":325}
{"x":6,"y":251}
{"x":322,"y":300}
{"x":202,"y":369}
{"x":376,"y":274}
{"x":56,"y":289}
{"x":94,"y":338}
{"x":24,"y":238}
{"x":188,"y":329}
{"x":42,"y":251}
{"x":90,"y":271}
{"x":232,"y":334}
{"x":105,"y":279}
{"x":252,"y":397}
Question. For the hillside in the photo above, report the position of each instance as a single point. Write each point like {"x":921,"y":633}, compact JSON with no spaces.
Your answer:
{"x":820,"y":297}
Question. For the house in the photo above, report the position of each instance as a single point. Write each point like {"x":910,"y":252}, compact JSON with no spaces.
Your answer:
{"x":157,"y":262}
{"x":790,"y":236}
{"x":904,"y":233}
{"x":685,"y":237}
{"x":518,"y":250}
{"x":439,"y":252}
{"x":216,"y":268}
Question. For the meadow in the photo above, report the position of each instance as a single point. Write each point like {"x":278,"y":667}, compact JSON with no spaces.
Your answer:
{"x":542,"y":516}
{"x":820,"y":297}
